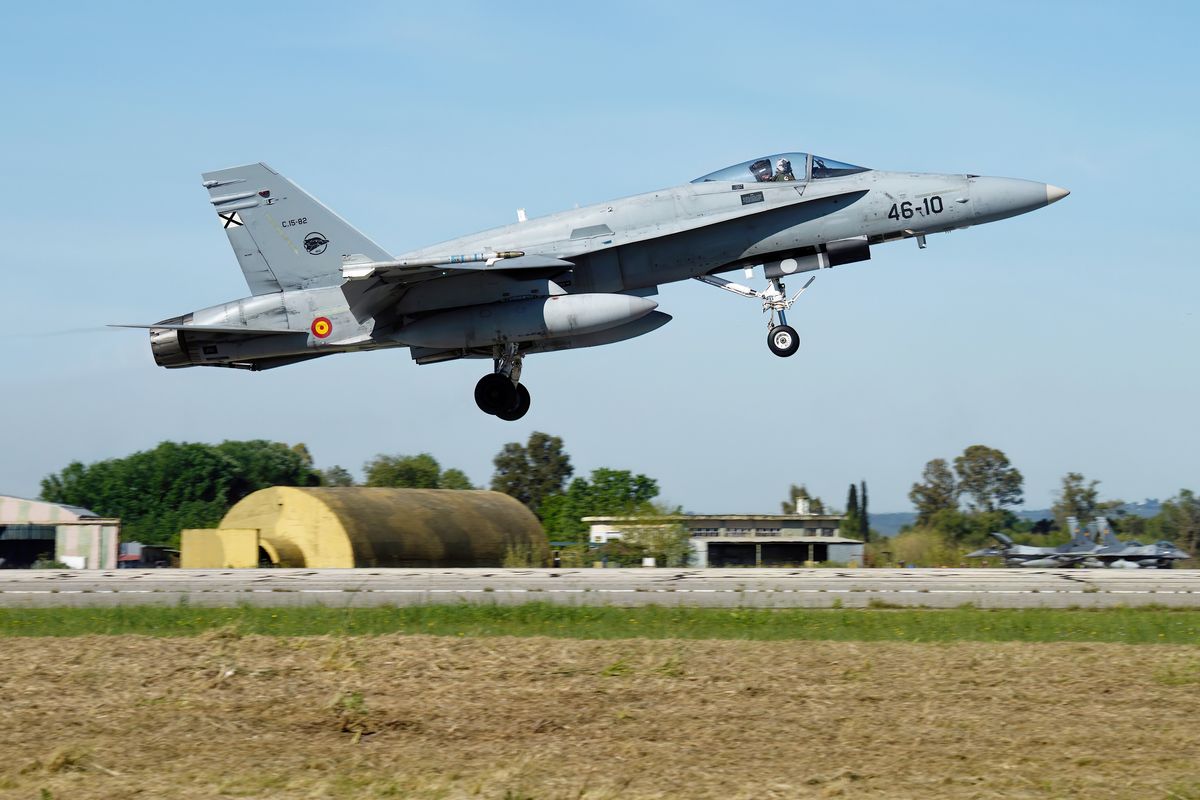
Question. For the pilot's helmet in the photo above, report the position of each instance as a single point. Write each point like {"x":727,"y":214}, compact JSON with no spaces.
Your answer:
{"x":783,"y":165}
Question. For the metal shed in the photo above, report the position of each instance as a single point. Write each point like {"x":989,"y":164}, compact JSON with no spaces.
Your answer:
{"x":368,"y":527}
{"x":77,"y":537}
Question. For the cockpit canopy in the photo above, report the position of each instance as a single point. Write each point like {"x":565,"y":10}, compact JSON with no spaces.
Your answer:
{"x":782,"y":167}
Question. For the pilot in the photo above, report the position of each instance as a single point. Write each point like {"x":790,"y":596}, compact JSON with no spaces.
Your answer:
{"x":761,"y":170}
{"x":783,"y":170}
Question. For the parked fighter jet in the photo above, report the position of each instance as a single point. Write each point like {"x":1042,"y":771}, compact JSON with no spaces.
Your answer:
{"x":573,"y":279}
{"x":1112,"y":552}
{"x":1082,"y":551}
{"x":1024,"y":555}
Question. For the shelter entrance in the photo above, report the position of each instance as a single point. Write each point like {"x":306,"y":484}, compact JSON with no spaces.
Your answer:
{"x":21,"y":545}
{"x":765,"y":554}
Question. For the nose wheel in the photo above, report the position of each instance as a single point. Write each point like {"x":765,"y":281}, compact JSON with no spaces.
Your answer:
{"x":501,"y":394}
{"x":783,"y":340}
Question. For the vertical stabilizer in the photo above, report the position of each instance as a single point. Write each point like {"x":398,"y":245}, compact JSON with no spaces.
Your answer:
{"x":283,"y":237}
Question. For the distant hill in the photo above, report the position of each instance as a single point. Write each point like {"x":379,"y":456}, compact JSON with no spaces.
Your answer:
{"x":890,"y":524}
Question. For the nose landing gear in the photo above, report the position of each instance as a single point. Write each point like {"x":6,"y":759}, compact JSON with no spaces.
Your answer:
{"x":501,"y":393}
{"x":782,"y":338}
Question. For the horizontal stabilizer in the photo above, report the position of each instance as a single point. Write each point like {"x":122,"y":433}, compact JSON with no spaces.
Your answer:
{"x":229,"y":329}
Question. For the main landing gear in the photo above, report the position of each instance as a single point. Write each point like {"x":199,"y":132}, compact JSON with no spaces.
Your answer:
{"x":501,"y":393}
{"x":782,"y":338}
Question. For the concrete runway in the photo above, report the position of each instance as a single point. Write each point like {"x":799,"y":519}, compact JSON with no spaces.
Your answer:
{"x":765,"y":588}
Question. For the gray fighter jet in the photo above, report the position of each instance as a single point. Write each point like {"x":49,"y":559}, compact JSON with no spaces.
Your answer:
{"x":1113,"y":553}
{"x":572,"y":279}
{"x":1024,"y":555}
{"x":1107,"y":551}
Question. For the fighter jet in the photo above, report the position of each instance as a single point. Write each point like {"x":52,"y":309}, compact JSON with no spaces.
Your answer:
{"x":577,"y":278}
{"x":1024,"y":555}
{"x":1111,"y":552}
{"x":1082,"y":551}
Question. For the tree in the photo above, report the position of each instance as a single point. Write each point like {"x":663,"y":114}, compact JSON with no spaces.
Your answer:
{"x":850,"y":522}
{"x":409,"y":472}
{"x":534,"y":471}
{"x":455,"y":479}
{"x":609,"y":493}
{"x":797,"y":494}
{"x":262,"y":464}
{"x":335,"y":476}
{"x":1181,"y":521}
{"x":413,"y":472}
{"x":156,"y":493}
{"x":1078,"y":498}
{"x":937,"y":492}
{"x":658,"y":536}
{"x":986,"y":476}
{"x":864,"y":518}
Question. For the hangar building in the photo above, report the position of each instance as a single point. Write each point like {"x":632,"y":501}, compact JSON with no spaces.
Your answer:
{"x":33,"y":529}
{"x":357,"y":526}
{"x":749,"y":540}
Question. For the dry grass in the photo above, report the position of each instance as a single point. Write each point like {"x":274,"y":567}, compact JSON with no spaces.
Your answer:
{"x":542,"y":719}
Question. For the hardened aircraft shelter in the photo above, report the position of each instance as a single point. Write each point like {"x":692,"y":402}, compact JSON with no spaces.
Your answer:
{"x":341,"y":527}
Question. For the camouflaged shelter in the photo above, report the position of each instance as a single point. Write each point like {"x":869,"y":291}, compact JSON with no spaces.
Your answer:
{"x":368,"y":527}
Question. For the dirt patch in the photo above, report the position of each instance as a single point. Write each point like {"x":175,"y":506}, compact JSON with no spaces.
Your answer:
{"x":540,"y":719}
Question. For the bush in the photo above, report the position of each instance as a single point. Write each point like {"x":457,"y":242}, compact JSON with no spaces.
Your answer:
{"x":520,"y":555}
{"x":923,"y":547}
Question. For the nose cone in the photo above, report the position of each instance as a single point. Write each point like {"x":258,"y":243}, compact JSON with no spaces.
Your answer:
{"x":1055,"y":193}
{"x":998,"y":198}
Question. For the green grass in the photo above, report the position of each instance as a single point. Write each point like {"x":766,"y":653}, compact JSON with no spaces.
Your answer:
{"x":1129,"y":625}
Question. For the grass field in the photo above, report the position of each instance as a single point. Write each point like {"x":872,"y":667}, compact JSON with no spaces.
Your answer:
{"x":560,"y":703}
{"x":1125,"y":625}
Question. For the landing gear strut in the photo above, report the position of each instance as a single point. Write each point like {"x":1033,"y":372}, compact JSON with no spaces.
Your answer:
{"x":782,"y":338}
{"x":501,"y":393}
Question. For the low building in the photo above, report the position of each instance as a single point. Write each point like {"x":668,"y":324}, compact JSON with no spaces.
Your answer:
{"x":135,"y":555}
{"x":33,"y":530}
{"x":750,"y":540}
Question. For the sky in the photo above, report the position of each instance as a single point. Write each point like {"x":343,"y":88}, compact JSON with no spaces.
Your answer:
{"x":1066,"y":337}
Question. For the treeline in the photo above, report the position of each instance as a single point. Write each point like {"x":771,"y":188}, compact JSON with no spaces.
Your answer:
{"x":157,"y":493}
{"x":959,"y":503}
{"x":178,"y":485}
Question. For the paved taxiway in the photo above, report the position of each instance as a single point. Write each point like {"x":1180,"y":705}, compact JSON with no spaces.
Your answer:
{"x":767,"y":588}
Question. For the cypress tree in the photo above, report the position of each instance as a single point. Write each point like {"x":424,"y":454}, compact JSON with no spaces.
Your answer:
{"x":864,"y":519}
{"x":850,"y":523}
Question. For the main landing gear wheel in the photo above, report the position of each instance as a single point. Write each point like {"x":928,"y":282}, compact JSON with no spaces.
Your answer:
{"x":783,"y":340}
{"x":495,"y":393}
{"x":501,"y":394}
{"x":520,"y":409}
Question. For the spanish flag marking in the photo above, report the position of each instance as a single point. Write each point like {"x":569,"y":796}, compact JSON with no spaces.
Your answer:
{"x":322,"y":327}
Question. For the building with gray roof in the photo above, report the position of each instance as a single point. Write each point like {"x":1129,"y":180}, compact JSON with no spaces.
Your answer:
{"x":34,"y":530}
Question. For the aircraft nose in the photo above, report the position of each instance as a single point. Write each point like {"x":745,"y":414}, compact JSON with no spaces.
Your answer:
{"x":1055,"y":193}
{"x":998,"y":198}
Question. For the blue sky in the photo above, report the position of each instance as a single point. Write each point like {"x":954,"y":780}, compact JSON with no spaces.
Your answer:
{"x":1066,"y":337}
